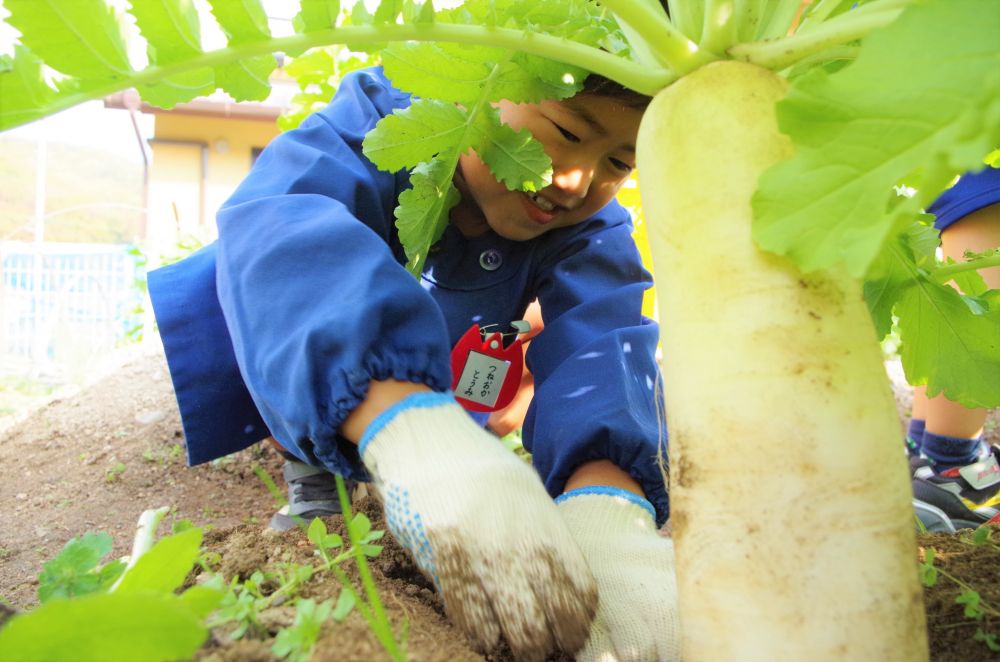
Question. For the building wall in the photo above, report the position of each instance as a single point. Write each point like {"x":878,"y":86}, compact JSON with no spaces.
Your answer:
{"x":197,"y":163}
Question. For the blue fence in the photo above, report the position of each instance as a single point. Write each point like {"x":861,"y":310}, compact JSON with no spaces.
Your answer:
{"x":67,"y":301}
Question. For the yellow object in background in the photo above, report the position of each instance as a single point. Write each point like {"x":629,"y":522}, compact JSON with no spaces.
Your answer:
{"x":628,"y":197}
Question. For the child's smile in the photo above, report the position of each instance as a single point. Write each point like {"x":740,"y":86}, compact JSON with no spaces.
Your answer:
{"x":591,"y":141}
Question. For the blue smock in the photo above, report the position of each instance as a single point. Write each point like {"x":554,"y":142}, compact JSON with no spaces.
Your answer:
{"x":279,"y":326}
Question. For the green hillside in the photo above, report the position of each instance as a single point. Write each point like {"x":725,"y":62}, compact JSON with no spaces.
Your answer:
{"x":76,"y":176}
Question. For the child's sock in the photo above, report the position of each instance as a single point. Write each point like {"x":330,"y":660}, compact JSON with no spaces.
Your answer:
{"x":946,"y":452}
{"x":915,"y":436}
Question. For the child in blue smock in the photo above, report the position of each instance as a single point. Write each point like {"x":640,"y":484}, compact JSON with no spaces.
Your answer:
{"x":301,"y":322}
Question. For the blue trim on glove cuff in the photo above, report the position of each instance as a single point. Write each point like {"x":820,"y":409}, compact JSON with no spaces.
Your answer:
{"x":613,"y":492}
{"x":409,"y":402}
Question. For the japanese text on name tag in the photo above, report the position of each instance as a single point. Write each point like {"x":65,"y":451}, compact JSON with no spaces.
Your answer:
{"x":481,"y":379}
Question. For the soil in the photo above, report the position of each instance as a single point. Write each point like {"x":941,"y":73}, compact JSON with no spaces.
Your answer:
{"x":95,"y":460}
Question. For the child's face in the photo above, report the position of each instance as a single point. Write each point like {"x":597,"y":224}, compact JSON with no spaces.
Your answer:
{"x":591,"y":141}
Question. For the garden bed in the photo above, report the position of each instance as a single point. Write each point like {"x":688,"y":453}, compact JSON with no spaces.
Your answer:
{"x":96,"y":460}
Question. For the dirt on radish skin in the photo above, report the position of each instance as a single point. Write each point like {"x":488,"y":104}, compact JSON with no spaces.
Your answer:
{"x":55,"y":487}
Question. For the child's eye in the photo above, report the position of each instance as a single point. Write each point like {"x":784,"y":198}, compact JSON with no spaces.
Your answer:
{"x":618,"y":164}
{"x":566,"y":134}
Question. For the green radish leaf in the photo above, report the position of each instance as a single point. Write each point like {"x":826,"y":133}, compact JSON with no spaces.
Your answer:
{"x":923,"y":96}
{"x":387,"y":11}
{"x":163,"y":568}
{"x":519,"y":84}
{"x":318,"y":73}
{"x":242,"y":21}
{"x":448,"y":72}
{"x":555,"y":80}
{"x":970,"y":282}
{"x":515,"y":158}
{"x":102,"y":627}
{"x":417,"y":133}
{"x":360,"y":15}
{"x":181,"y":88}
{"x":171,"y":28}
{"x":22,"y":88}
{"x":934,"y":322}
{"x":332,"y":540}
{"x":74,"y":571}
{"x":247,"y":80}
{"x":817,"y":12}
{"x":751,"y":18}
{"x":424,"y":13}
{"x":897,"y":265}
{"x":777,"y":18}
{"x":81,"y":38}
{"x":689,"y":17}
{"x":422,"y":212}
{"x":371,"y":550}
{"x":315,"y":15}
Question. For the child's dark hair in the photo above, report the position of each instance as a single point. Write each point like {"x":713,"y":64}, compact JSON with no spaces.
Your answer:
{"x":599,"y":86}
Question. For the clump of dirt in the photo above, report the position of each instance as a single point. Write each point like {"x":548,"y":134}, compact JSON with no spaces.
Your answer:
{"x":407,"y":596}
{"x":96,"y":460}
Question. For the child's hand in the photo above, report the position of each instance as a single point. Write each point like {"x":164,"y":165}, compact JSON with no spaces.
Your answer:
{"x":637,"y":618}
{"x":479,"y":522}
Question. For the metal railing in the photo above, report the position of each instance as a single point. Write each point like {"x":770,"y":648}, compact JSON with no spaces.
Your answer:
{"x":66,"y":300}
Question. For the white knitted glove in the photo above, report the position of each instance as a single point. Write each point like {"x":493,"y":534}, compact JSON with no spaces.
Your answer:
{"x":637,"y":617}
{"x":479,"y":522}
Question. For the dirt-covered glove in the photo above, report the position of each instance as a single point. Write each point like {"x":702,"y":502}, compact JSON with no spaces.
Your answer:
{"x":637,"y":617}
{"x":480,"y":524}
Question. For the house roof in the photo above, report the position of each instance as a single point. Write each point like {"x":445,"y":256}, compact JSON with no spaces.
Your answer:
{"x":217,"y":104}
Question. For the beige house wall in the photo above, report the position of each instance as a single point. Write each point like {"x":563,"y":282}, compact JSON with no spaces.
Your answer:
{"x":197,"y":162}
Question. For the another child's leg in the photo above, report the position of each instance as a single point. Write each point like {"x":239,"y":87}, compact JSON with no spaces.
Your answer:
{"x":961,"y":487}
{"x":918,"y":423}
{"x":953,"y":431}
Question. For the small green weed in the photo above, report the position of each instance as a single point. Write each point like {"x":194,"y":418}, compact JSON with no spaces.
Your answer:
{"x":974,"y":607}
{"x":114,"y":472}
{"x":244,"y":602}
{"x":331,"y":548}
{"x":295,"y":643}
{"x":276,"y":493}
{"x":77,"y":569}
{"x":242,"y":605}
{"x":162,"y":456}
{"x":515,"y":444}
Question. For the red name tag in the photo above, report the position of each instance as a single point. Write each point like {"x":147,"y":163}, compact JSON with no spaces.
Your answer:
{"x":485,"y":374}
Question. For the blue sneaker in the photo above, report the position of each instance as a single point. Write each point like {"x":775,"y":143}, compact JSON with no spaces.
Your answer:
{"x":312,"y":493}
{"x":963,"y":497}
